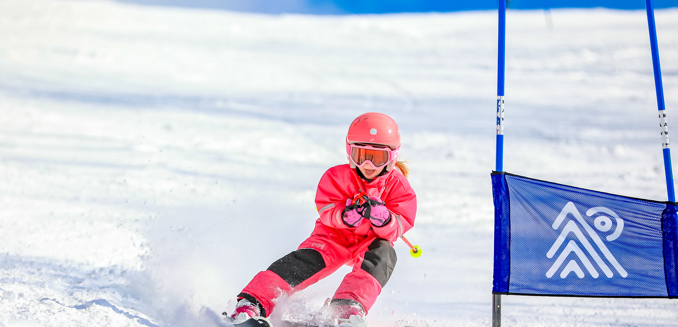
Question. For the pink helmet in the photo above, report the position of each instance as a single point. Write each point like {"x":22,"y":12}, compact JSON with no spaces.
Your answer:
{"x":374,"y":128}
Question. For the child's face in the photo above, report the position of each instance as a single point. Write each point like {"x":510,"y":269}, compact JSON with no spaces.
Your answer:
{"x":370,"y":171}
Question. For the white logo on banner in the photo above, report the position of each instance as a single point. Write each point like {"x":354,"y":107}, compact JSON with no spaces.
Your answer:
{"x":602,"y":223}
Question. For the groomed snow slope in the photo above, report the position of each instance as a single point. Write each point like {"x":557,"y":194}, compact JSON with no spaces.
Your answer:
{"x":152,"y":160}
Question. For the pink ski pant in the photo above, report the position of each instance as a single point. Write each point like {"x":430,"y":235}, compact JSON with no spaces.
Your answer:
{"x":318,"y":257}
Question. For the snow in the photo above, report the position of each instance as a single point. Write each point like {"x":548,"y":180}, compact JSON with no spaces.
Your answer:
{"x":154,"y":159}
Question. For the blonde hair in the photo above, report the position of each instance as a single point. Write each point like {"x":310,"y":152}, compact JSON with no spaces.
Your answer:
{"x":403,"y":167}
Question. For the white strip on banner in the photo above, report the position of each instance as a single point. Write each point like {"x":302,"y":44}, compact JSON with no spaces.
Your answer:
{"x":664,"y":129}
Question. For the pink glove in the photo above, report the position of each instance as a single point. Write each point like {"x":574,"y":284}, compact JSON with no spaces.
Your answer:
{"x":352,"y":214}
{"x":376,"y":212}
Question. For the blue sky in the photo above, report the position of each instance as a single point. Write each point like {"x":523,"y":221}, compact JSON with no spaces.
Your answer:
{"x":324,"y":7}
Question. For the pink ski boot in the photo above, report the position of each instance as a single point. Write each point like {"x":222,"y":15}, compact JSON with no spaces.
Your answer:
{"x":248,"y":314}
{"x":349,"y":313}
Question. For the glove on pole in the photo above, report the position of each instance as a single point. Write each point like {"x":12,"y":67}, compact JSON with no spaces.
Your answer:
{"x":352,"y":216}
{"x":375,"y":210}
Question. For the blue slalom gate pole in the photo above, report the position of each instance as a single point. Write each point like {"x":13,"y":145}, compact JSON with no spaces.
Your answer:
{"x":501,"y":60}
{"x":663,"y":123}
{"x":501,"y":67}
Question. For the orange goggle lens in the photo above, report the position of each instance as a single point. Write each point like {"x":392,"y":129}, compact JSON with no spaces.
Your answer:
{"x":377,"y":157}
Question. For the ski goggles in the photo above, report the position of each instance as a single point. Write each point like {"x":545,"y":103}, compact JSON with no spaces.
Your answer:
{"x":378,"y":156}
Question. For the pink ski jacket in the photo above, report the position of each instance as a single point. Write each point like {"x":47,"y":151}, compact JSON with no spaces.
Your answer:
{"x":340,"y":183}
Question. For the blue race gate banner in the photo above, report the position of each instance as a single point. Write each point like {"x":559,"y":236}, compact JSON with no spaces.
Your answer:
{"x":553,"y":239}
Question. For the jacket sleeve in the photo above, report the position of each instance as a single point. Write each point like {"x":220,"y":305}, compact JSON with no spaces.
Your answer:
{"x":402,"y":203}
{"x":330,"y":199}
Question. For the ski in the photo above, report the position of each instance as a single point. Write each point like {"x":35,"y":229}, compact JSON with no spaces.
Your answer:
{"x":301,"y":324}
{"x":309,"y":324}
{"x":254,"y":322}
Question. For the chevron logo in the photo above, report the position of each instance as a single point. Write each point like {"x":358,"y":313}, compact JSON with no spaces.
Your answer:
{"x":603,"y":223}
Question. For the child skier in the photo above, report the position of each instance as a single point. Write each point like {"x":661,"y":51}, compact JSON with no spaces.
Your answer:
{"x":364,"y":207}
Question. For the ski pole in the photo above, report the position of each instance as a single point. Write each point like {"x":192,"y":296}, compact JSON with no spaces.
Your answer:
{"x":415,"y":251}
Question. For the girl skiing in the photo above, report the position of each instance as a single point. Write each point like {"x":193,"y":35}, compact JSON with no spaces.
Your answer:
{"x":364,"y":207}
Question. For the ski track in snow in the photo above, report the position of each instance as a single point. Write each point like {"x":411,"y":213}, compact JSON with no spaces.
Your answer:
{"x":154,"y":159}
